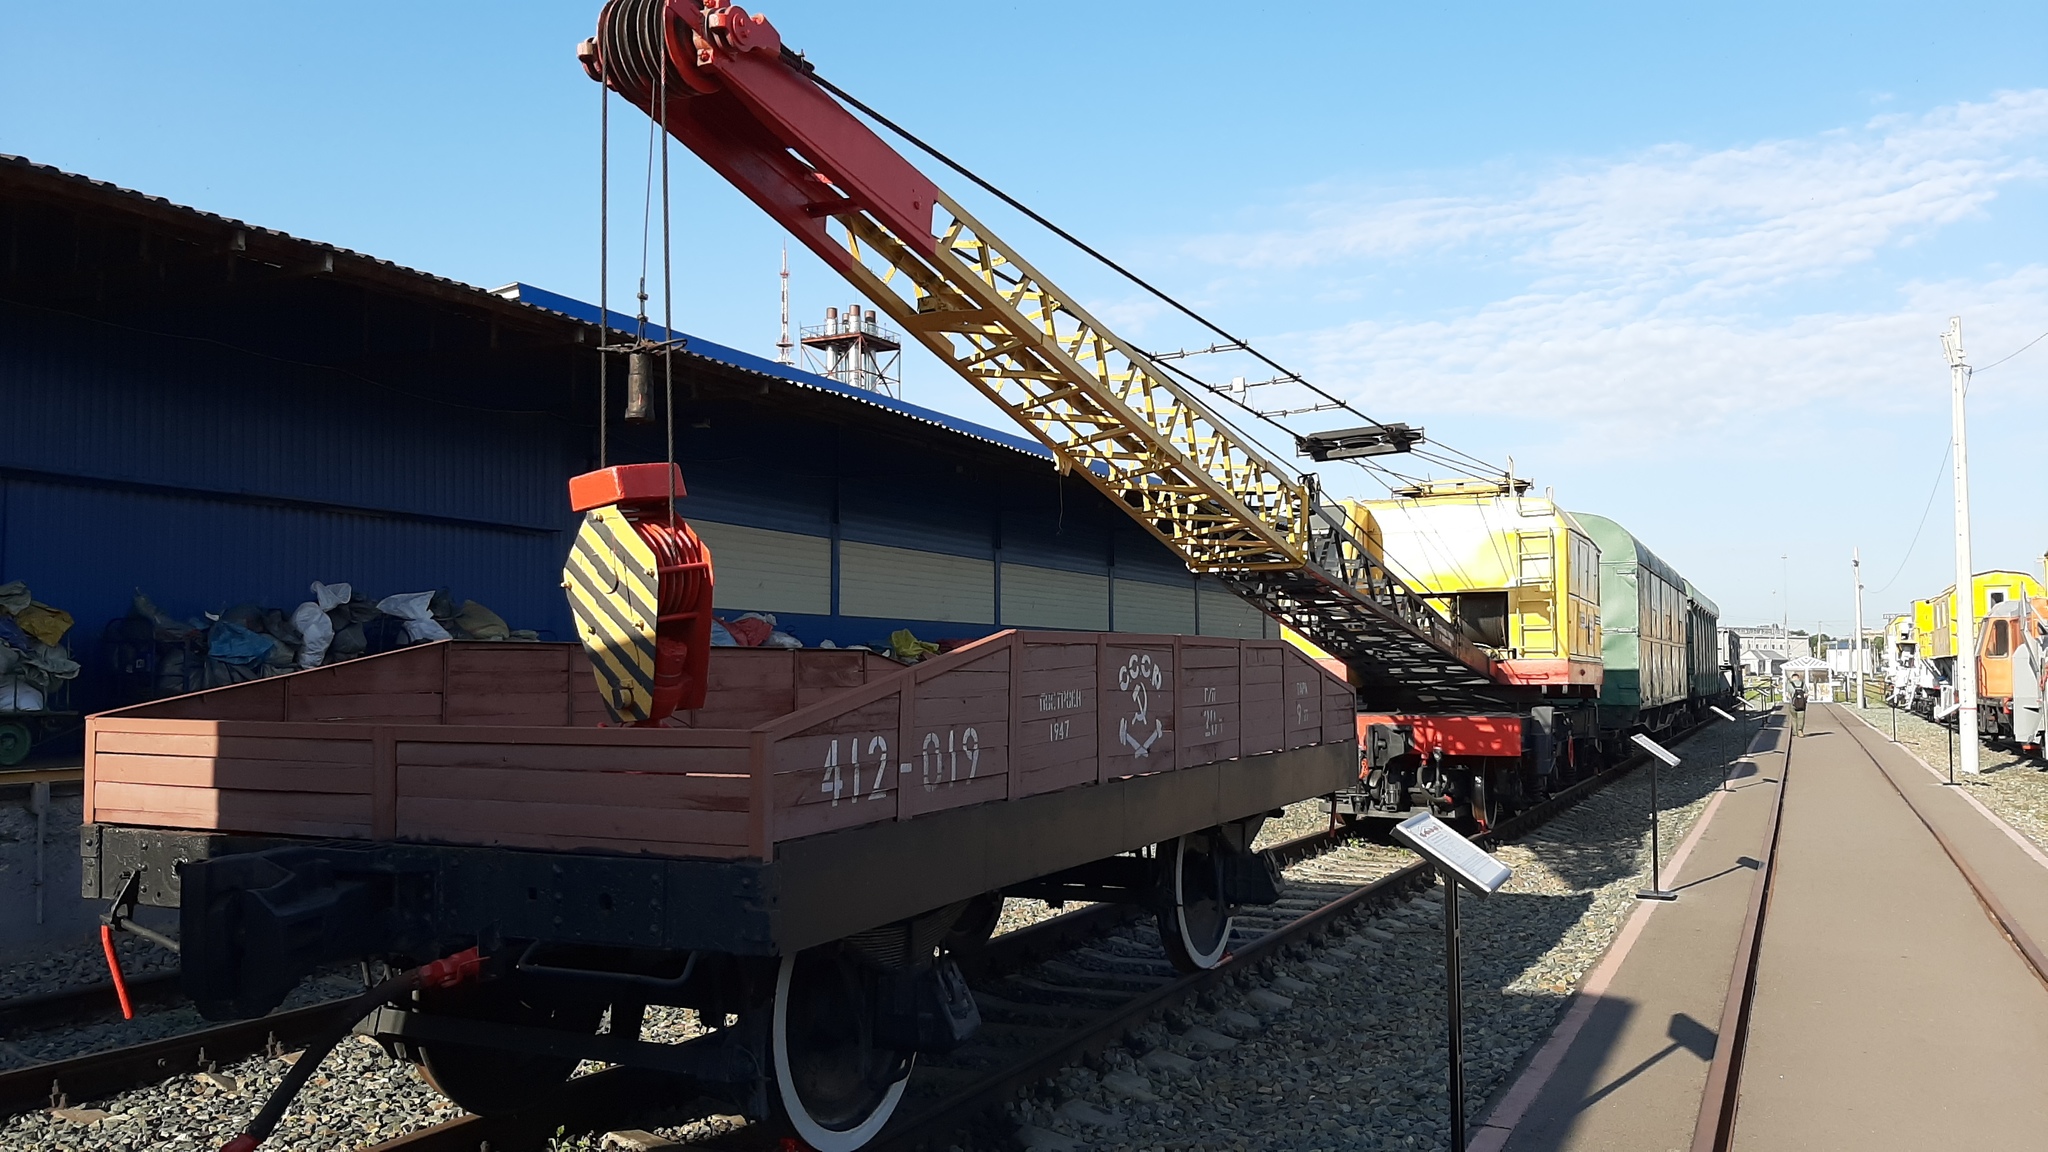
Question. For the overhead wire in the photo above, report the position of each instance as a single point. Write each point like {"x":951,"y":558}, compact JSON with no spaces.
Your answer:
{"x":1288,"y":375}
{"x":604,"y":269}
{"x":1915,"y":542}
{"x":2003,"y":359}
{"x":668,"y":323}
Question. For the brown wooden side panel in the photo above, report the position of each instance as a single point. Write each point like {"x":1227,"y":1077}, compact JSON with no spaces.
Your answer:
{"x":1058,"y":732}
{"x":586,"y":707}
{"x":1262,"y":724}
{"x":256,"y":700}
{"x":957,"y":737}
{"x":822,"y":674}
{"x":1302,"y":692}
{"x":1136,"y":729}
{"x":668,"y":791}
{"x":1340,"y":712}
{"x":366,"y":708}
{"x":258,"y":775}
{"x":571,"y":826}
{"x":839,"y":773}
{"x":573,"y":759}
{"x":567,"y":797}
{"x":522,"y":685}
{"x":234,"y":810}
{"x":403,"y":687}
{"x":1208,"y":721}
{"x":203,"y":780}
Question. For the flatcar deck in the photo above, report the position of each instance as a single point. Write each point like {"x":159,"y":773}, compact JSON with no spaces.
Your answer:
{"x":497,"y":744}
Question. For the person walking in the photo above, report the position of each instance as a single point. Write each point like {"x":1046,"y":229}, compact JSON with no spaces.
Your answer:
{"x":1798,"y":706}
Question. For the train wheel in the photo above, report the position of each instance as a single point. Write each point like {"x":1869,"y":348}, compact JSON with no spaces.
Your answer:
{"x":1196,"y":929}
{"x":836,"y":1085}
{"x":488,"y":1081}
{"x":1486,"y":805}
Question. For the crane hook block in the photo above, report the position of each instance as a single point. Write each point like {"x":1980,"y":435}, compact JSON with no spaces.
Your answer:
{"x":639,"y":583}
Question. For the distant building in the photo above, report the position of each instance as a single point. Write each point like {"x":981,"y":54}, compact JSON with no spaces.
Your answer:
{"x":1843,"y":659}
{"x":1766,"y":648}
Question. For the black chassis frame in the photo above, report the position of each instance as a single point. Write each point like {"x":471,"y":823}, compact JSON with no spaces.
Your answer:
{"x":259,"y":914}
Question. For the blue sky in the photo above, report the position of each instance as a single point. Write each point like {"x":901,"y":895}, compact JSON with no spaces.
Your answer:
{"x":1685,"y":264}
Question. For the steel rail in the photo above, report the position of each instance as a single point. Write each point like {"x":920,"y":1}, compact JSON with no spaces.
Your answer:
{"x":47,"y":1009}
{"x":1715,"y":1128}
{"x":2029,"y":949}
{"x":617,"y":1094}
{"x":98,"y":1074}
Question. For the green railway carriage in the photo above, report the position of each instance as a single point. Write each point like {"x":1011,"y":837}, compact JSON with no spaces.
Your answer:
{"x":1658,"y":636}
{"x":1702,"y":645}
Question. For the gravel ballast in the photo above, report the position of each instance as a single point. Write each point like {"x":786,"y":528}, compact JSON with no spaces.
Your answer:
{"x":1340,"y":1044}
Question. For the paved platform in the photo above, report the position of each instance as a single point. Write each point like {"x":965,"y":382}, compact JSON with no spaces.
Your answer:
{"x":1625,"y":1069}
{"x":1890,"y":1012}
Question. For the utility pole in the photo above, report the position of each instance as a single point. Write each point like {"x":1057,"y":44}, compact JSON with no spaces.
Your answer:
{"x":1856,"y":571}
{"x":1966,"y":592}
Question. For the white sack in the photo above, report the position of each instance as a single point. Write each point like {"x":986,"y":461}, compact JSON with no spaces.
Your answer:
{"x":315,"y":630}
{"x":331,"y":596}
{"x":411,"y":607}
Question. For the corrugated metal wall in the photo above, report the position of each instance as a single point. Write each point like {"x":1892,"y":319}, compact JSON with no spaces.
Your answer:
{"x":205,"y":477}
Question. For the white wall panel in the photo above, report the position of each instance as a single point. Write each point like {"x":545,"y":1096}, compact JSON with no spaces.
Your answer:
{"x":759,"y":570}
{"x":1224,"y":613}
{"x":877,"y":580}
{"x":1145,"y":607}
{"x":1050,"y":598}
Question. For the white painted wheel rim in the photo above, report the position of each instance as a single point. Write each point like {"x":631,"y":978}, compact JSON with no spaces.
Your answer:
{"x":819,"y":1137}
{"x":1200,"y":958}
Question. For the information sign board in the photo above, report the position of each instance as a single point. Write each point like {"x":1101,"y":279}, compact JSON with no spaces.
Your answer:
{"x":1669,"y":758}
{"x":1450,"y":851}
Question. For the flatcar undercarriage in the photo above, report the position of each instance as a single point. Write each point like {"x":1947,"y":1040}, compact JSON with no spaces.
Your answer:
{"x":559,"y":946}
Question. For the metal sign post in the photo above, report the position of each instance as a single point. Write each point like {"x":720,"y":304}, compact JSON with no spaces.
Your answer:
{"x":1461,"y":863}
{"x":1656,"y":890}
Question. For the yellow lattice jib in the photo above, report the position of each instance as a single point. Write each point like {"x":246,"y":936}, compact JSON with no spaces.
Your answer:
{"x":1097,"y":403}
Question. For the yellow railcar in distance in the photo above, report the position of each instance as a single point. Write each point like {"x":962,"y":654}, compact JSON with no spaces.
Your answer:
{"x":1516,"y":572}
{"x":1993,"y":587}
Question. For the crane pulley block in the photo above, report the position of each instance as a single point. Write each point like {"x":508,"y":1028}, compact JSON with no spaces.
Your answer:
{"x":640,"y":585}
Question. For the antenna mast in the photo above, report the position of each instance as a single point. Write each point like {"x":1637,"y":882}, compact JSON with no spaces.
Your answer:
{"x":785,"y":352}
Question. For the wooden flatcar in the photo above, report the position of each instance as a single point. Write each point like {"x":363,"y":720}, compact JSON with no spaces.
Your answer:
{"x":797,"y":860}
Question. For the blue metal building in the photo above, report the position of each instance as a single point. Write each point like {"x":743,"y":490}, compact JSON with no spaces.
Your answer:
{"x":213,"y":413}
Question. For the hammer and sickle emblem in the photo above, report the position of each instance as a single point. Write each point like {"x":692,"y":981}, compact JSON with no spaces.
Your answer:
{"x":1137,"y":674}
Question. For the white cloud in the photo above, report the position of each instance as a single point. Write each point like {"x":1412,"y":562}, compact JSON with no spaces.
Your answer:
{"x":1726,"y":220}
{"x":1678,"y":286}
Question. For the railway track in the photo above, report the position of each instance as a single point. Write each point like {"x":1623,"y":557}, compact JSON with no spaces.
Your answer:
{"x":1050,"y":994}
{"x":88,"y":1002}
{"x":1715,"y":1129}
{"x":59,"y":1083}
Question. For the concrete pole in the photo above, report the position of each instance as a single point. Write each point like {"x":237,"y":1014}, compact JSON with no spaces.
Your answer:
{"x":1856,"y":569}
{"x":1965,"y":623}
